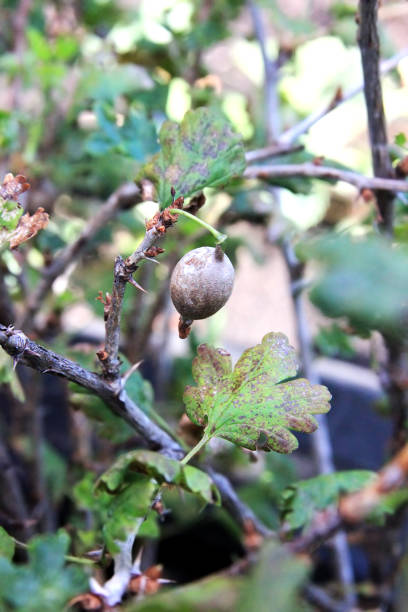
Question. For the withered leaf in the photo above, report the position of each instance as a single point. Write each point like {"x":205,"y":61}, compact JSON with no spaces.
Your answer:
{"x":28,"y":227}
{"x":13,"y":186}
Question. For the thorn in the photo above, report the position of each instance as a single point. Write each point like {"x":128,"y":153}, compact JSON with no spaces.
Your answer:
{"x":136,"y":567}
{"x":130,"y":371}
{"x":151,"y":259}
{"x":132,"y":281}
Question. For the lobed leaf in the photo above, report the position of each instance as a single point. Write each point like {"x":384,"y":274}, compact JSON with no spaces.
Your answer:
{"x":162,"y":469}
{"x":203,"y":151}
{"x":301,"y":500}
{"x":255,"y":405}
{"x":45,"y":583}
{"x":7,"y":545}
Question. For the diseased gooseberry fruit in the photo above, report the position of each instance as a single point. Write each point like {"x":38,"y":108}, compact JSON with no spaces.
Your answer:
{"x":200,"y":285}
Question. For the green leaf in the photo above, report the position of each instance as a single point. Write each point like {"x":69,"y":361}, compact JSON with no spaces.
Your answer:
{"x":203,"y":151}
{"x":139,"y":389}
{"x":334,"y":342}
{"x":136,"y":138}
{"x":363,"y":279}
{"x":124,"y":493}
{"x":55,"y":472}
{"x":301,"y":500}
{"x":162,"y":469}
{"x":7,"y":545}
{"x":216,"y":593}
{"x":10,"y":213}
{"x":277,"y":578}
{"x":108,"y":425}
{"x":8,"y":376}
{"x":400,"y":139}
{"x":255,"y":404}
{"x":132,"y":503}
{"x":39,"y":45}
{"x":45,"y":583}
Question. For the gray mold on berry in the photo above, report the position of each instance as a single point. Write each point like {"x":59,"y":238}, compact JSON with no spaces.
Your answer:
{"x":201,"y":283}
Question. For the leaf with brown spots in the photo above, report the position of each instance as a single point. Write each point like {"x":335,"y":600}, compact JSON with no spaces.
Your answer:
{"x":202,"y":151}
{"x":256,"y":404}
{"x":28,"y":227}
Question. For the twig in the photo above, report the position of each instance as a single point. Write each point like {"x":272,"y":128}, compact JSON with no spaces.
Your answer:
{"x":321,"y":442}
{"x":354,"y":508}
{"x":13,"y":503}
{"x":126,"y":195}
{"x":271,"y":69}
{"x":123,"y":272}
{"x":325,"y":172}
{"x":45,"y":510}
{"x":7,"y":313}
{"x":290,"y":135}
{"x":322,"y":600}
{"x":46,"y":361}
{"x":238,"y":510}
{"x":275,"y":150}
{"x":369,"y":44}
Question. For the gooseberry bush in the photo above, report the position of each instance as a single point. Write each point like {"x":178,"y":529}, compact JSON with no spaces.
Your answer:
{"x":145,"y":465}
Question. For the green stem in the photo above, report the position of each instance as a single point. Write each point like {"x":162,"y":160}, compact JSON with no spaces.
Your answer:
{"x":217,"y":235}
{"x":195,"y":450}
{"x":80,"y":560}
{"x":71,"y":558}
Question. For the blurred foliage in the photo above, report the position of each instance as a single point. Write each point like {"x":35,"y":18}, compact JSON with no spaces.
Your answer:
{"x":277,"y":577}
{"x":332,"y":341}
{"x":362,"y":279}
{"x":45,"y":583}
{"x":7,"y":545}
{"x":123,"y":495}
{"x":301,"y":500}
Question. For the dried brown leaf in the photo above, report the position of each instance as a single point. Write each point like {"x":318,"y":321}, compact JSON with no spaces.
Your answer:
{"x":13,"y":186}
{"x":28,"y":227}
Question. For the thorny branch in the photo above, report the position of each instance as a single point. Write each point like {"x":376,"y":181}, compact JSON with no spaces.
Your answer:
{"x":123,"y":274}
{"x":271,"y":70}
{"x":369,"y":44}
{"x":290,"y":135}
{"x":28,"y":353}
